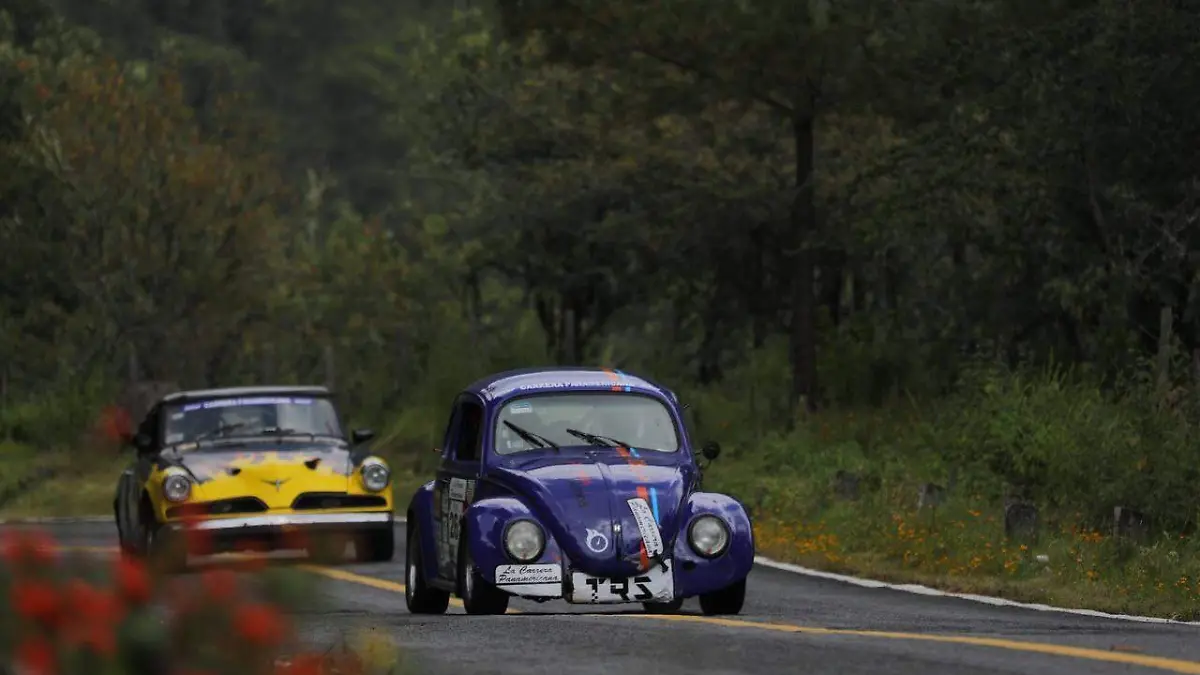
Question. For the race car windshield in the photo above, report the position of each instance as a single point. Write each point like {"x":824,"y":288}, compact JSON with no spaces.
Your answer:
{"x":263,"y":417}
{"x":586,"y":418}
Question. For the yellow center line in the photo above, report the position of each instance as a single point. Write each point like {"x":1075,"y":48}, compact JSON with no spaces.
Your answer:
{"x":373,"y":582}
{"x":1160,"y":662}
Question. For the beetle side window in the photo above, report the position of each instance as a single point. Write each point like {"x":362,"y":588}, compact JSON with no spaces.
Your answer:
{"x":470,"y":426}
{"x":451,"y":427}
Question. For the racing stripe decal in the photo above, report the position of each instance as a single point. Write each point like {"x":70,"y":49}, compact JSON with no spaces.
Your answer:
{"x":645,"y":554}
{"x":643,"y":493}
{"x":616,"y":380}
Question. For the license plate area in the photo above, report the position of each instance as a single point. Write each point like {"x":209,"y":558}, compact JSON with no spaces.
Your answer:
{"x":655,"y":584}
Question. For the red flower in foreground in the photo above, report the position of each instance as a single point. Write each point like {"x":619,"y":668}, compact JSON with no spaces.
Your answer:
{"x":219,"y":584}
{"x":115,"y":423}
{"x":37,"y":601}
{"x":94,"y":614}
{"x":133,"y":582}
{"x":198,"y":541}
{"x":29,"y":546}
{"x":260,"y":625}
{"x":35,"y":657}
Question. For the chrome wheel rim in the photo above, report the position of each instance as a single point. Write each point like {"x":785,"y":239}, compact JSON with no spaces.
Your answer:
{"x":412,"y":577}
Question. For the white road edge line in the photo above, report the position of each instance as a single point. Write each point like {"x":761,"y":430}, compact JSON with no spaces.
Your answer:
{"x":917,"y":589}
{"x":764,"y":561}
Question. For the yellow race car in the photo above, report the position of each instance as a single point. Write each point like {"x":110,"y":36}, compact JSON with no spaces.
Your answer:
{"x":251,"y":468}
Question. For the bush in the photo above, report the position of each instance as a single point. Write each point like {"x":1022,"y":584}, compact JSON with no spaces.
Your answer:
{"x":74,"y":615}
{"x":1063,"y":441}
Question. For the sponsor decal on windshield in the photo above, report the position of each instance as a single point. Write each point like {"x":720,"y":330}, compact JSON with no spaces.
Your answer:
{"x":260,"y":400}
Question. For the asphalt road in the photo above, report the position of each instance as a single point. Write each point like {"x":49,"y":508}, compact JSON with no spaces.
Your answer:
{"x":791,"y":624}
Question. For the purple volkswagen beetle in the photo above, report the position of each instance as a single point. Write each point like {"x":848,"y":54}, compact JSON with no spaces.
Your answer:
{"x":575,"y":484}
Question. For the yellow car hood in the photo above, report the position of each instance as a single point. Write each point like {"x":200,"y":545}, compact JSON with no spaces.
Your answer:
{"x":276,"y":476}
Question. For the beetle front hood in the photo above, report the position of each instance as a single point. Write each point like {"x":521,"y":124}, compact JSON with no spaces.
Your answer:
{"x":276,"y":475}
{"x":585,"y":506}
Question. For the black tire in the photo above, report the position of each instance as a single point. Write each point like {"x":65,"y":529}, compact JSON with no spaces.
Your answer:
{"x":728,"y":600}
{"x":418,"y":595}
{"x":376,"y":546}
{"x":165,"y":550}
{"x":126,"y":547}
{"x":478,"y":595}
{"x":663,"y":607}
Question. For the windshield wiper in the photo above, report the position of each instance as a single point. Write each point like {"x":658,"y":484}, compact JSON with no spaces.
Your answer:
{"x":532,"y":438}
{"x":277,"y":431}
{"x":595,"y":439}
{"x":221,"y":430}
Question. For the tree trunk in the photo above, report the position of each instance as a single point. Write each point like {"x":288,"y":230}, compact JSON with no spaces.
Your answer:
{"x":833,"y":281}
{"x":803,"y":348}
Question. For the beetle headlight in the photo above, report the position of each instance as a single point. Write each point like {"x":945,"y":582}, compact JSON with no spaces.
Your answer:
{"x":375,"y":475}
{"x":524,"y":541}
{"x":176,"y":487}
{"x":709,"y":536}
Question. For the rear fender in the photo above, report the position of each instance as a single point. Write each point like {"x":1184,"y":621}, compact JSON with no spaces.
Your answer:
{"x":420,"y":514}
{"x":486,"y":520}
{"x":695,"y":574}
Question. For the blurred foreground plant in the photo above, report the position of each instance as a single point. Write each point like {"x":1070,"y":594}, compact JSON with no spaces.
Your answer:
{"x":68,"y":615}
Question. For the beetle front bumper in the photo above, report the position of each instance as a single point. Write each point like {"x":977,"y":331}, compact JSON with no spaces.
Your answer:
{"x":555,"y":580}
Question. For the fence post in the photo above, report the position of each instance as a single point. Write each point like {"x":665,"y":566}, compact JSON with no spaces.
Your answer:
{"x":4,"y":401}
{"x":1165,"y":319}
{"x":132,"y":375}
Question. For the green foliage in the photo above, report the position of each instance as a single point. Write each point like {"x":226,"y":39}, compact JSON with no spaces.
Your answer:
{"x":855,"y":203}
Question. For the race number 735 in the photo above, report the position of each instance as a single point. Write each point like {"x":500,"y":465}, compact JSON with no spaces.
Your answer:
{"x":620,"y":587}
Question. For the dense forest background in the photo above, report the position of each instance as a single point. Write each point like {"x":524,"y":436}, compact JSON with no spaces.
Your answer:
{"x":980,"y":214}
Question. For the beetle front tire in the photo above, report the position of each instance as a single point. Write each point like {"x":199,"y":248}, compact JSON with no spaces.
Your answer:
{"x":478,"y":595}
{"x":418,"y":595}
{"x":728,"y":600}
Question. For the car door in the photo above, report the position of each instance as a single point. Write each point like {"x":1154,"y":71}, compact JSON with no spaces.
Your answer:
{"x":139,"y":473}
{"x":455,"y":489}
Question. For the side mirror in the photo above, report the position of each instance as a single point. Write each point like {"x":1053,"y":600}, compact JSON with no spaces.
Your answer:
{"x":361,"y":436}
{"x":711,"y":450}
{"x":141,"y":442}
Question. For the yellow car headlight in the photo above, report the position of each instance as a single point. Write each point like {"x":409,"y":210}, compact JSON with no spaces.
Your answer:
{"x":375,"y":474}
{"x":176,"y":487}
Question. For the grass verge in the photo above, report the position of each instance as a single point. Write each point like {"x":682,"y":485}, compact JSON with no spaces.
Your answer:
{"x":40,"y":483}
{"x":1069,"y":450}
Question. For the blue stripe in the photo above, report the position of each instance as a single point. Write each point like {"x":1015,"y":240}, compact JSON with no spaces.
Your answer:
{"x":633,"y":451}
{"x":654,"y":504}
{"x":627,"y":389}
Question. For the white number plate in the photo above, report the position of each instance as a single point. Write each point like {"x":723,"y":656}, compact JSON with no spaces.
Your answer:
{"x":655,"y":584}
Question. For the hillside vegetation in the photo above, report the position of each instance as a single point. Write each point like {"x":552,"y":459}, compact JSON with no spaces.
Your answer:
{"x":910,"y":263}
